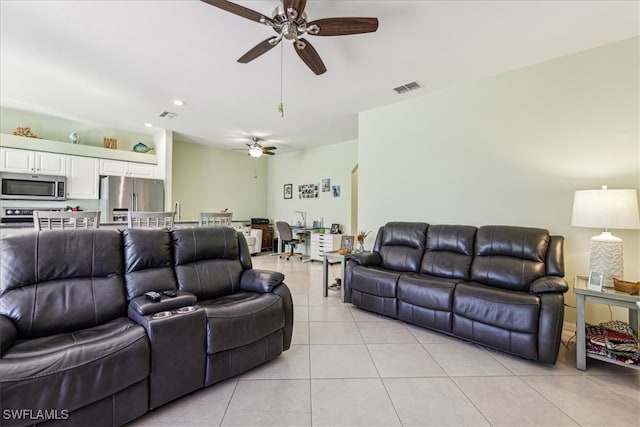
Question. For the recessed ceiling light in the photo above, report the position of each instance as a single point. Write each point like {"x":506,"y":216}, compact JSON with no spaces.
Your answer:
{"x":178,"y":102}
{"x":149,"y":125}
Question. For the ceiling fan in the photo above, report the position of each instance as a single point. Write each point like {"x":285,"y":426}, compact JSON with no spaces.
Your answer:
{"x":256,"y":149}
{"x":289,"y":21}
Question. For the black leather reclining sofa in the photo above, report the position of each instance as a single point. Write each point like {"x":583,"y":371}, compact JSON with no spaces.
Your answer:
{"x":500,"y":286}
{"x":80,"y":343}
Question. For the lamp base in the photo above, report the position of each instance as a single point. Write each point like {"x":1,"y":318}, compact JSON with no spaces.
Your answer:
{"x":606,"y":256}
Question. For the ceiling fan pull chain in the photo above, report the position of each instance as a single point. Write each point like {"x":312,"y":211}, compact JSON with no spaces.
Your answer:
{"x":281,"y":105}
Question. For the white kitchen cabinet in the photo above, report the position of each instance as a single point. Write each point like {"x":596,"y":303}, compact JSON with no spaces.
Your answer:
{"x":82,"y":177}
{"x":132,"y":169}
{"x":321,"y":243}
{"x":27,"y":161}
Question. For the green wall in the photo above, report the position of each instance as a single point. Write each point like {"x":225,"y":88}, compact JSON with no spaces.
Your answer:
{"x":511,"y":149}
{"x":334,"y":162}
{"x":210,"y":179}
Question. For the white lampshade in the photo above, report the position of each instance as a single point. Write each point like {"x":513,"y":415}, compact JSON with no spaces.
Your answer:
{"x":606,"y":209}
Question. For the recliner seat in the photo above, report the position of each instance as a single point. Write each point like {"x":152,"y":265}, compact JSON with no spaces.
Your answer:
{"x":67,"y":343}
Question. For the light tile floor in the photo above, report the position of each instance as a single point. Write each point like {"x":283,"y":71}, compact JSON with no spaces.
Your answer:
{"x":349,"y":367}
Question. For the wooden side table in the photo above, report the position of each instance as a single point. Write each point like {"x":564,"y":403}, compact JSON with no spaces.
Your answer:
{"x":608,"y":296}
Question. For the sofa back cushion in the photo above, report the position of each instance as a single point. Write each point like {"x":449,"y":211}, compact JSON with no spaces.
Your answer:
{"x":401,"y":245}
{"x":57,"y":281}
{"x":509,"y":257}
{"x":449,"y":251}
{"x":210,"y":260}
{"x":148,"y":260}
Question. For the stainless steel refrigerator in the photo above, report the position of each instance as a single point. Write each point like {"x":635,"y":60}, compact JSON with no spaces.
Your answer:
{"x":119,"y":195}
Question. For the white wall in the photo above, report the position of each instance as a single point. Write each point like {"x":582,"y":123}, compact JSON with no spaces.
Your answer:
{"x":310,"y":167}
{"x":510,"y":150}
{"x":209,"y":179}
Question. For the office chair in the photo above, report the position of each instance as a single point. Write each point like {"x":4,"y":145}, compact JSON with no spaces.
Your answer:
{"x":49,"y":220}
{"x":286,"y":236}
{"x":216,"y":218}
{"x":150,"y":219}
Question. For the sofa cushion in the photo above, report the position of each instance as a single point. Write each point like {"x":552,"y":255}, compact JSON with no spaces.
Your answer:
{"x":509,"y":257}
{"x":241,"y":318}
{"x":71,"y":370}
{"x":401,"y":245}
{"x":516,"y":311}
{"x":449,"y":251}
{"x":209,"y":261}
{"x":375,"y":281}
{"x":426,"y":291}
{"x":148,"y":261}
{"x":59,"y":281}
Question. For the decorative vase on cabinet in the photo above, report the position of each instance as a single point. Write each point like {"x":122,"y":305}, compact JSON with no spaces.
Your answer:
{"x":74,"y":137}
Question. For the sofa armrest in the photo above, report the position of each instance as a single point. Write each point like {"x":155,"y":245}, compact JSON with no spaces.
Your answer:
{"x":261,"y":281}
{"x":143,"y":306}
{"x":549,"y":284}
{"x":367,"y":259}
{"x":8,"y":333}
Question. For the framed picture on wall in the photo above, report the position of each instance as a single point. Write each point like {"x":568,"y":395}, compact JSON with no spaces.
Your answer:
{"x":288,"y":191}
{"x":335,"y":228}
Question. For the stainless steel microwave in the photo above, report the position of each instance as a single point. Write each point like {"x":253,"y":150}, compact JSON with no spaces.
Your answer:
{"x":24,"y":186}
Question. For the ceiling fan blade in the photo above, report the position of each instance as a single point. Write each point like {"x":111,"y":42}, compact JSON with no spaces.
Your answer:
{"x":238,"y":10}
{"x":262,"y":47}
{"x":269,"y":148}
{"x":268,"y":153}
{"x":297,"y":5}
{"x":344,"y":26}
{"x":310,"y":57}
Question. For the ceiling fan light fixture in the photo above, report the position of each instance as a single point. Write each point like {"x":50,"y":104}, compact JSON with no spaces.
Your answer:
{"x":255,"y":151}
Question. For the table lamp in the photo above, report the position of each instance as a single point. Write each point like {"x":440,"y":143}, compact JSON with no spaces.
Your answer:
{"x":606,"y":209}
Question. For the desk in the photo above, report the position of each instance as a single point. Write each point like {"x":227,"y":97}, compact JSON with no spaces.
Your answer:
{"x":333,"y":256}
{"x":297,"y":230}
{"x":608,"y":296}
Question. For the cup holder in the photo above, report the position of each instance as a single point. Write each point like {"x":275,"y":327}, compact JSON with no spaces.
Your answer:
{"x":187,"y":309}
{"x":162,"y":315}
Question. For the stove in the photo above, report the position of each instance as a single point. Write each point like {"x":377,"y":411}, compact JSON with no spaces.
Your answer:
{"x":12,"y":215}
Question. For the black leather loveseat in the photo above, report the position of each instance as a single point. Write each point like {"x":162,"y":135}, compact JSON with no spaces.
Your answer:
{"x":81,"y":344}
{"x":500,"y":286}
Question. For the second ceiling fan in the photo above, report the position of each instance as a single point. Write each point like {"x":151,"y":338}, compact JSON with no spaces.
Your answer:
{"x":289,"y":21}
{"x":256,"y":149}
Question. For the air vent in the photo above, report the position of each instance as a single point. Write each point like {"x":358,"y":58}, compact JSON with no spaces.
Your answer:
{"x":167,"y":115}
{"x":407,"y":87}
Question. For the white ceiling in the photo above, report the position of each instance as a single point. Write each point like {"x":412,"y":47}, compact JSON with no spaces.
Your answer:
{"x":119,"y":64}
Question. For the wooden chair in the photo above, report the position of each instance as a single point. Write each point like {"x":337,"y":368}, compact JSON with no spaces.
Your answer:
{"x":150,"y":219}
{"x":216,"y":218}
{"x":49,"y":220}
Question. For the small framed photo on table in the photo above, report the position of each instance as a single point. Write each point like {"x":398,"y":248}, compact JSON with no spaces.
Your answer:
{"x":346,"y":243}
{"x":595,"y":281}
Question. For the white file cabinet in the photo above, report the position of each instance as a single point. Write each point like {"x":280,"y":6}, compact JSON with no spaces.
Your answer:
{"x":321,"y":243}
